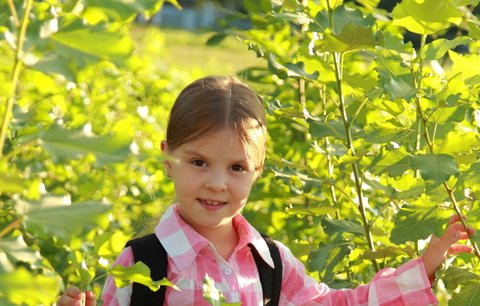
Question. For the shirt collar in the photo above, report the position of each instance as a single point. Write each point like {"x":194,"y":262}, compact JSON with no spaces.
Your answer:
{"x":183,"y":243}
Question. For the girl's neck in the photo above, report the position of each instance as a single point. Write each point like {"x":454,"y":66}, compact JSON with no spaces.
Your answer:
{"x":224,"y":240}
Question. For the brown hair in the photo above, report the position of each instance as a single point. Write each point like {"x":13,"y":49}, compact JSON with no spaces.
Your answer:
{"x":212,"y":103}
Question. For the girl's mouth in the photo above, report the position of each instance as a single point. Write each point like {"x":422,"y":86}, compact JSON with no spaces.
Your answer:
{"x":211,"y":203}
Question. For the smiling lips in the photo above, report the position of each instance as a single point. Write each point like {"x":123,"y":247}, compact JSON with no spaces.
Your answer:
{"x":209,"y":204}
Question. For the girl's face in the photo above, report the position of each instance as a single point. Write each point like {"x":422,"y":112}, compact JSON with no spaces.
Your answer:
{"x":213,"y":176}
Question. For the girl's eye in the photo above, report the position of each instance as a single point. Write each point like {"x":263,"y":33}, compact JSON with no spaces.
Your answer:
{"x":238,"y":168}
{"x":198,"y":163}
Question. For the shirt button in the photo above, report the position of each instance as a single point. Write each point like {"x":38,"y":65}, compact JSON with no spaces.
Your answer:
{"x":227,"y":271}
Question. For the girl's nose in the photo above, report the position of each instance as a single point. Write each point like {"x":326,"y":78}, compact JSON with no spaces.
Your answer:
{"x":216,"y":181}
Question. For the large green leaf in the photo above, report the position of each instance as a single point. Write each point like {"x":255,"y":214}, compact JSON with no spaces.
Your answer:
{"x":394,"y":162}
{"x":435,"y":167}
{"x":327,"y":257}
{"x":384,"y":132}
{"x":332,"y":227}
{"x":294,"y":70}
{"x":468,"y":296}
{"x":65,"y":144}
{"x":125,"y":9}
{"x":455,"y":276}
{"x":399,"y":88}
{"x":351,"y":38}
{"x":84,"y":43}
{"x":437,"y":48}
{"x":341,"y":16}
{"x":53,"y":217}
{"x":334,"y":129}
{"x":418,"y":222}
{"x":22,"y":287}
{"x":139,"y":273}
{"x":425,"y":16}
{"x":16,"y":250}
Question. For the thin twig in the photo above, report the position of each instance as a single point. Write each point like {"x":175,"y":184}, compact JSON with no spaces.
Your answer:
{"x":15,"y":75}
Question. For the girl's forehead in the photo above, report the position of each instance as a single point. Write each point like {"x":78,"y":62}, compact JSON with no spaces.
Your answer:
{"x":231,"y":142}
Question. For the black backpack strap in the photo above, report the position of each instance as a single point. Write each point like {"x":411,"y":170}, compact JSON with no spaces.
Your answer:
{"x":271,"y":279}
{"x":151,"y":252}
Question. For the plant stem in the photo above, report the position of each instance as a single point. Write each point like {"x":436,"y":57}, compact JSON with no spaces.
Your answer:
{"x":15,"y":224}
{"x":424,"y":122}
{"x":351,"y":148}
{"x":338,"y":63}
{"x":11,"y":6}
{"x":17,"y":66}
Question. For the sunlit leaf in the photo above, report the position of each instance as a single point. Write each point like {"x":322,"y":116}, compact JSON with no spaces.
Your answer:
{"x":469,"y":296}
{"x":16,"y":250}
{"x":290,"y":69}
{"x":418,"y":222}
{"x":62,"y":220}
{"x":351,"y":38}
{"x":425,"y":17}
{"x":22,"y":287}
{"x":70,"y":43}
{"x":398,"y":88}
{"x":437,"y":48}
{"x":110,"y":244}
{"x":326,"y":257}
{"x":332,"y":227}
{"x":435,"y":167}
{"x":342,"y":16}
{"x":455,"y":276}
{"x":329,"y":128}
{"x":66,"y":144}
{"x":139,"y":273}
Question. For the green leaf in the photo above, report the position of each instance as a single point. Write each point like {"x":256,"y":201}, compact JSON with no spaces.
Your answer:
{"x":123,"y":10}
{"x":468,"y":296}
{"x":327,"y":257}
{"x":425,"y":16}
{"x":213,"y":295}
{"x":295,"y":70}
{"x":384,"y":132}
{"x":65,"y":144}
{"x":341,"y":16}
{"x":437,"y":48}
{"x":109,"y":245}
{"x":85,"y":273}
{"x":258,"y":6}
{"x":71,"y":43}
{"x":12,"y":183}
{"x":394,"y":162}
{"x":16,"y":250}
{"x":351,"y":38}
{"x":21,"y":287}
{"x":455,"y":276}
{"x":435,"y":167}
{"x":332,"y":227}
{"x":53,"y":217}
{"x":398,"y":88}
{"x":418,"y":221}
{"x":334,"y":129}
{"x":216,"y":39}
{"x":458,"y":142}
{"x":139,"y":273}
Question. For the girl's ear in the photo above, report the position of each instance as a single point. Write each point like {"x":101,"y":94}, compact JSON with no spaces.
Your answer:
{"x":166,"y":162}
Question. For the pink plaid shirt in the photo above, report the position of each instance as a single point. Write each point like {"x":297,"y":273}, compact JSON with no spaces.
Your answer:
{"x":191,"y":257}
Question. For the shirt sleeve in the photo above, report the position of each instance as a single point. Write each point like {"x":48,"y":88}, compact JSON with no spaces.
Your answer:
{"x":406,"y":285}
{"x":111,"y":295}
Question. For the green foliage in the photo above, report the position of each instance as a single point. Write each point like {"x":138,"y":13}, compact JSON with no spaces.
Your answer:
{"x":377,"y":141}
{"x":373,"y":143}
{"x":139,"y":273}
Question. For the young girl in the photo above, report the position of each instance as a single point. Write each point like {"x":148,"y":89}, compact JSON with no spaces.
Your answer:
{"x":215,"y":148}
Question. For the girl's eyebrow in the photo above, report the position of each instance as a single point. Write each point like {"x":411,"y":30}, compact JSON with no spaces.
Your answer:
{"x":195,"y":153}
